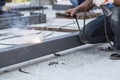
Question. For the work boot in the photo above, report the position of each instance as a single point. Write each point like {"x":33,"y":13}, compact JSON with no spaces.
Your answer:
{"x":115,"y":56}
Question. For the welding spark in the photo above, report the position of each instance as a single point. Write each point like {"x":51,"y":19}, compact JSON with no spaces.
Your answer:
{"x":36,"y":40}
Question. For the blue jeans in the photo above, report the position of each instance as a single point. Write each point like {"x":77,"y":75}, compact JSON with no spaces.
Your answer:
{"x":76,"y":2}
{"x":2,"y":3}
{"x":95,"y":30}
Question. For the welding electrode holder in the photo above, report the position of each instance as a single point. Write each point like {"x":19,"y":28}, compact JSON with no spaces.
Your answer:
{"x":107,"y":12}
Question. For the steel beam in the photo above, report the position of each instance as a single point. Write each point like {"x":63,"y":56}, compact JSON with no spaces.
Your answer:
{"x":61,"y":7}
{"x":53,"y":29}
{"x":11,"y":56}
{"x":28,"y":8}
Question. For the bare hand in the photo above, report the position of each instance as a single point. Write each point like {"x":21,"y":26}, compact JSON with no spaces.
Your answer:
{"x":72,"y":11}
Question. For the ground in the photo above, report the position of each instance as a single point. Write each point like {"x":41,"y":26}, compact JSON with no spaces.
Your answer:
{"x":81,"y":63}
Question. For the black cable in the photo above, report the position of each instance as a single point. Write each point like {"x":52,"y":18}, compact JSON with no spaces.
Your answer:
{"x":81,"y":32}
{"x":84,"y":26}
{"x":106,"y":34}
{"x":84,"y":19}
{"x":76,"y":19}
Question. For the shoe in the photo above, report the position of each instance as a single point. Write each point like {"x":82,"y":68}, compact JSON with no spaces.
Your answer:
{"x":115,"y":56}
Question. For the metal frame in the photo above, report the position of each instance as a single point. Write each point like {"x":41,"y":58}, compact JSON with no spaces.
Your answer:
{"x":53,"y":29}
{"x":23,"y":53}
{"x":28,"y":8}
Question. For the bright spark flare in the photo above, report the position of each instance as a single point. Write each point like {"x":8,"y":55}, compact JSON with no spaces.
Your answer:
{"x":36,"y":40}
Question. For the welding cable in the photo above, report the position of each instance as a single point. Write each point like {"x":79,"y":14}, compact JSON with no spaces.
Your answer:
{"x":50,"y":24}
{"x":81,"y":32}
{"x":57,"y":30}
{"x":76,"y":19}
{"x":105,"y":26}
{"x":106,"y":34}
{"x":84,"y":19}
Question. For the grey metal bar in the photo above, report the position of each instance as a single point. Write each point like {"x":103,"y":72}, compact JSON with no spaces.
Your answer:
{"x":53,"y":29}
{"x":23,"y":53}
{"x":28,"y":8}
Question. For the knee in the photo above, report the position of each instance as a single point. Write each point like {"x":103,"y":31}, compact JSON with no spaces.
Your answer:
{"x":115,"y":17}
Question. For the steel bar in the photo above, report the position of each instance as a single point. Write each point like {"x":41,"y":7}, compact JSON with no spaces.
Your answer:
{"x":28,"y":8}
{"x":53,"y":29}
{"x":61,"y":7}
{"x":18,"y":54}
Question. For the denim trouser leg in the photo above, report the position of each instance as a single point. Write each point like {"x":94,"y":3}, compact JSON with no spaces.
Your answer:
{"x":95,"y":31}
{"x":2,"y":2}
{"x":74,"y":2}
{"x":115,"y":25}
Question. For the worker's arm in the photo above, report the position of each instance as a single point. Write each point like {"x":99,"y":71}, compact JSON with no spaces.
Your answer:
{"x":81,"y":7}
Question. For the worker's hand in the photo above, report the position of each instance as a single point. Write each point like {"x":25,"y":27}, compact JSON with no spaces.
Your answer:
{"x":102,"y":2}
{"x":72,"y":11}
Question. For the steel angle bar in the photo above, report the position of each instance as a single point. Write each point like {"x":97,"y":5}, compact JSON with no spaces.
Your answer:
{"x":11,"y":56}
{"x":28,"y":8}
{"x":53,"y":29}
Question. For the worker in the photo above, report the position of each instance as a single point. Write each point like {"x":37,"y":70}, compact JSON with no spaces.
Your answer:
{"x":2,"y":3}
{"x":94,"y":31}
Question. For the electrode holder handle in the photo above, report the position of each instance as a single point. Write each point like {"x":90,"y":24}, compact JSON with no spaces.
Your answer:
{"x":106,"y":10}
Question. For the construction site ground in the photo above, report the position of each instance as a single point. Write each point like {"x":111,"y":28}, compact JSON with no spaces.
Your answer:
{"x":87,"y":62}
